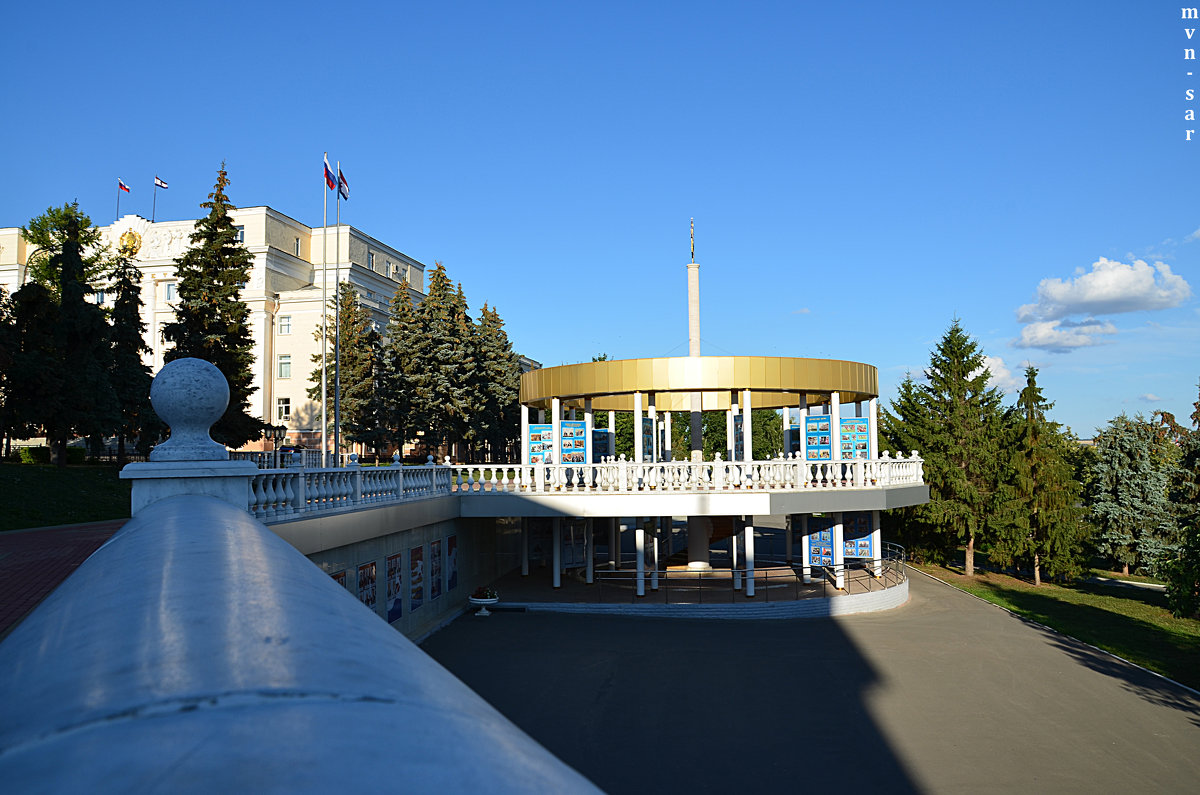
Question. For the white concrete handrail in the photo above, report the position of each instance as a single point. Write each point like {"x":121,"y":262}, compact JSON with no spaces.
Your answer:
{"x":197,"y":651}
{"x":626,"y":477}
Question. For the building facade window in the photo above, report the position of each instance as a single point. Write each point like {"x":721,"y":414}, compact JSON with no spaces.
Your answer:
{"x":241,"y":233}
{"x":284,"y":408}
{"x":285,"y":324}
{"x":169,"y":288}
{"x":371,"y":260}
{"x":297,"y":247}
{"x":285,"y":365}
{"x":101,"y":297}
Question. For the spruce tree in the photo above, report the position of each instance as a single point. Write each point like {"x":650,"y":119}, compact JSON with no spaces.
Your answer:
{"x":363,"y":416}
{"x":404,"y":412}
{"x":211,"y":320}
{"x":906,"y":426}
{"x":75,"y":398}
{"x":47,"y":234}
{"x":958,"y":430}
{"x":497,"y":408}
{"x":8,"y":352}
{"x":1183,"y":573}
{"x":1041,"y":511}
{"x":471,"y":389}
{"x":130,"y":375}
{"x":1128,"y":495}
{"x":439,"y":362}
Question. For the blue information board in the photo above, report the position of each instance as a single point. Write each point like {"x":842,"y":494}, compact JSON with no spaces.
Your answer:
{"x":820,"y":540}
{"x":817,"y":443}
{"x":856,"y":535}
{"x":647,"y":440}
{"x":600,"y":444}
{"x":541,"y":443}
{"x":855,"y":438}
{"x":574,"y":442}
{"x":739,"y":439}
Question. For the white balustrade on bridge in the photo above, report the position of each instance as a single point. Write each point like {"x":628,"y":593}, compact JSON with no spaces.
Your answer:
{"x":627,"y":477}
{"x":277,"y":494}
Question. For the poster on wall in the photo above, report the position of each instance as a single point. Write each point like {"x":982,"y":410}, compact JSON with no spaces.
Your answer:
{"x":416,"y":577}
{"x":739,"y":439}
{"x":856,"y":535}
{"x":817,"y":444}
{"x":574,"y":441}
{"x":600,"y":445}
{"x":820,"y":541}
{"x":366,"y":584}
{"x":339,"y":577}
{"x":451,"y":563}
{"x":395,"y":584}
{"x":435,"y":569}
{"x":855,"y":439}
{"x":541,"y":443}
{"x":647,"y":440}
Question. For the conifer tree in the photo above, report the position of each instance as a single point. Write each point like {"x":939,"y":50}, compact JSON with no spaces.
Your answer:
{"x":471,"y":389}
{"x":76,"y":398}
{"x":404,"y":412}
{"x":1128,"y":495}
{"x":130,"y":374}
{"x":500,"y":379}
{"x":1183,"y":573}
{"x":211,"y":320}
{"x":957,"y":431}
{"x":8,"y":352}
{"x":364,"y":420}
{"x":905,"y":427}
{"x":439,"y":361}
{"x":1041,"y":511}
{"x":47,"y":234}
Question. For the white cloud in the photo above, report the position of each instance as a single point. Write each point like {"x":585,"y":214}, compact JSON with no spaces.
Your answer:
{"x":1150,"y":397}
{"x":1110,"y":288}
{"x":1001,"y":376}
{"x":804,"y":310}
{"x":1061,"y":336}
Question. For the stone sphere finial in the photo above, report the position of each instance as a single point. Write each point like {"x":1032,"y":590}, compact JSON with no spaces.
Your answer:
{"x":189,"y":395}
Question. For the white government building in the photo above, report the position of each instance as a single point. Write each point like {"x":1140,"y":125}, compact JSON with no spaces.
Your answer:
{"x":284,"y":295}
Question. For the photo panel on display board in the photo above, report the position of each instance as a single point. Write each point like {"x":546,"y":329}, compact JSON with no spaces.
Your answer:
{"x":416,"y":577}
{"x":435,"y":570}
{"x":541,"y":443}
{"x":451,"y":563}
{"x":366,"y":584}
{"x":395,"y":587}
{"x":339,"y":577}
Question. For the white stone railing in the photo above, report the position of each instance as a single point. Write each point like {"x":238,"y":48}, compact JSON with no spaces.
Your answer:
{"x":277,"y":494}
{"x":626,"y":477}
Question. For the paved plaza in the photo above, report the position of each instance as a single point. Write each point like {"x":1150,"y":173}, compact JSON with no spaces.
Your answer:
{"x":946,"y":694}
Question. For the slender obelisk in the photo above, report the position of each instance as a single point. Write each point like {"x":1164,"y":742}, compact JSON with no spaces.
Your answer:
{"x":693,"y":272}
{"x":699,"y":527}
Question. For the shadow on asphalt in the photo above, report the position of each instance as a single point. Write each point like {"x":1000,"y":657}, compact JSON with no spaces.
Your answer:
{"x":665,"y":705}
{"x":1133,"y":633}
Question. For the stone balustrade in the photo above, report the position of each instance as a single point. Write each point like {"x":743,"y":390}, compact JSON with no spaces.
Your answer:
{"x":278,"y":494}
{"x":626,"y":477}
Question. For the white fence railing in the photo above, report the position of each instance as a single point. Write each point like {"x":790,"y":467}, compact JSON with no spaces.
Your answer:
{"x":282,"y":493}
{"x":626,"y":477}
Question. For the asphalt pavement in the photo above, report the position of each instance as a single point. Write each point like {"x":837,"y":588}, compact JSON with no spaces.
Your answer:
{"x":945,"y":694}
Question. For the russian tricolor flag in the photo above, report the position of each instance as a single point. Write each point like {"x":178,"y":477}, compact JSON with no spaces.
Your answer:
{"x":330,"y":181}
{"x":121,"y":184}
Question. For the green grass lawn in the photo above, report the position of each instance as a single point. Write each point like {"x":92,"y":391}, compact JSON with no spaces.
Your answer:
{"x":1133,"y":623}
{"x":36,"y":495}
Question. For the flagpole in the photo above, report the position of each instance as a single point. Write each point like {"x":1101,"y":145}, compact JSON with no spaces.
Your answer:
{"x":154,"y":201}
{"x":118,"y":218}
{"x":324,"y":313}
{"x":337,"y":327}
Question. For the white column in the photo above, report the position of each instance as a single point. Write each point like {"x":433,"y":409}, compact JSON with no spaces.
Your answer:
{"x":698,"y":536}
{"x":571,"y":413}
{"x":733,"y":558}
{"x":637,"y":427}
{"x":614,"y":544}
{"x":669,"y":453}
{"x":805,"y":550}
{"x":876,"y":545}
{"x":747,"y":431}
{"x":524,"y":547}
{"x":787,"y":538}
{"x":835,"y":426}
{"x":803,"y":427}
{"x":873,"y":428}
{"x":541,"y":416}
{"x":749,"y":556}
{"x":653,"y":414}
{"x":640,"y":542}
{"x":787,"y":430}
{"x":612,"y":435}
{"x":839,"y":561}
{"x":589,"y":423}
{"x":524,"y":435}
{"x":589,"y":543}
{"x":556,"y":428}
{"x":729,"y":426}
{"x":557,"y":543}
{"x":654,"y":528}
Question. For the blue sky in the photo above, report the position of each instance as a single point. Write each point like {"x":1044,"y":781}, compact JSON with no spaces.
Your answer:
{"x":860,"y":173}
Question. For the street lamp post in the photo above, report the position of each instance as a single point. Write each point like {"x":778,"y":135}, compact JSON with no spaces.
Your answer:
{"x":275,"y":433}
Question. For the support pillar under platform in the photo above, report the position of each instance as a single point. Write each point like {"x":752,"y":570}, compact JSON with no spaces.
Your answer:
{"x":699,"y":531}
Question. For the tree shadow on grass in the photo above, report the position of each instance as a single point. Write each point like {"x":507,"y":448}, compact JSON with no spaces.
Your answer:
{"x":1126,"y":637}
